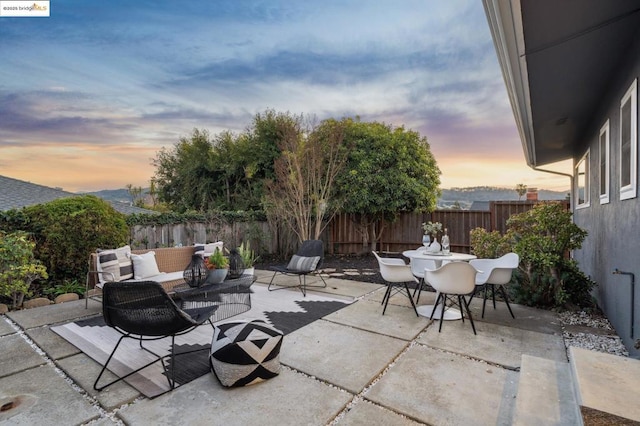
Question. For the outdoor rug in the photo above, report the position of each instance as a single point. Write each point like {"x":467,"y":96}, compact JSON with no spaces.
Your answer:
{"x":286,"y":310}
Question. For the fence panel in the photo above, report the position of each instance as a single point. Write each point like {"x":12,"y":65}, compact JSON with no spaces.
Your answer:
{"x":342,"y":235}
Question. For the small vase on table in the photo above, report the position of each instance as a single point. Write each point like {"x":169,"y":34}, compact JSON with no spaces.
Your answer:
{"x":435,"y":246}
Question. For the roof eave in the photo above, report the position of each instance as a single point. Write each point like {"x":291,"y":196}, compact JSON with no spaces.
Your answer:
{"x":505,"y":24}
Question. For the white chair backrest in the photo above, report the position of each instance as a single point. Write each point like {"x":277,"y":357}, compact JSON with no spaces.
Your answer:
{"x":484,"y":268}
{"x":394,"y":270}
{"x":509,"y":260}
{"x":495,"y":271}
{"x":419,"y":265}
{"x":453,"y":278}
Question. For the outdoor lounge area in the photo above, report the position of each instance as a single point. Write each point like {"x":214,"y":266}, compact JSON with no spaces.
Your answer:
{"x":353,"y":366}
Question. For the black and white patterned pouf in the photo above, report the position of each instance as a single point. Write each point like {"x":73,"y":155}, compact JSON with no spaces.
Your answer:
{"x":244,"y":353}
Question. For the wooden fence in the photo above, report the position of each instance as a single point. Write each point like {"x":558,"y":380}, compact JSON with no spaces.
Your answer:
{"x":342,"y":235}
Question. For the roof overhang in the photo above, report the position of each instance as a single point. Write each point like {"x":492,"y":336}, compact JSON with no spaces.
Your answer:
{"x":558,"y":59}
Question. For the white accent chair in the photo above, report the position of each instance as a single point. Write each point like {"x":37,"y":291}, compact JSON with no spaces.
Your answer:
{"x":495,"y":273}
{"x":417,"y":269}
{"x":397,"y":274}
{"x":453,"y":280}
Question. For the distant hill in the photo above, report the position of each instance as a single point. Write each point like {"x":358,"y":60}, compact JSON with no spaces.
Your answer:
{"x":464,"y":196}
{"x":121,"y":195}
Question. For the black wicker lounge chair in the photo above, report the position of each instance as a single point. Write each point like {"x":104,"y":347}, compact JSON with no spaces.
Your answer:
{"x":144,"y":311}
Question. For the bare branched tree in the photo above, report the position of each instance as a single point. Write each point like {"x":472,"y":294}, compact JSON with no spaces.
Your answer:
{"x":305,"y":172}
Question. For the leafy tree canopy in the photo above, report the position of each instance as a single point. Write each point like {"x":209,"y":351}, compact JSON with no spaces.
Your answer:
{"x":388,"y":171}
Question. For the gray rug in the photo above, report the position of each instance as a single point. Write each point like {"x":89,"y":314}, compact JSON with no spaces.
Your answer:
{"x":286,"y":310}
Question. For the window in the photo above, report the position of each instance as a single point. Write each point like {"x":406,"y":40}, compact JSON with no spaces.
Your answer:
{"x":629,"y":142}
{"x":582,"y":182}
{"x":603,"y":153}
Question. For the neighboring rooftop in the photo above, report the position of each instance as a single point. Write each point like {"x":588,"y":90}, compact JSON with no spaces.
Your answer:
{"x":16,"y":194}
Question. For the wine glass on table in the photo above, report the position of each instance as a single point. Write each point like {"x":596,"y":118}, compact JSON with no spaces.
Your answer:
{"x":426,"y":240}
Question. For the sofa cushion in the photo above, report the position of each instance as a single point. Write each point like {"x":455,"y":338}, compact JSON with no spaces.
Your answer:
{"x":162,"y":277}
{"x":115,"y":262}
{"x":144,"y":265}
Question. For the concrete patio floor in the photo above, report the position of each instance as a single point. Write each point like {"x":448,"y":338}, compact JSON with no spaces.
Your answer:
{"x":352,"y":367}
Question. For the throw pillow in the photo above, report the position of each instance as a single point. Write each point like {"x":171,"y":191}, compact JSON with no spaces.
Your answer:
{"x":107,"y":262}
{"x":303,"y":263}
{"x":144,"y":265}
{"x":115,"y":263}
{"x":124,"y":261}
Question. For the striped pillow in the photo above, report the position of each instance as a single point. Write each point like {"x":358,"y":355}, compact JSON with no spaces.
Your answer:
{"x":116,"y":262}
{"x":303,"y":263}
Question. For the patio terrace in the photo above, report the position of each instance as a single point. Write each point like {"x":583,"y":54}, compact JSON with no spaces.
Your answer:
{"x":354,"y":366}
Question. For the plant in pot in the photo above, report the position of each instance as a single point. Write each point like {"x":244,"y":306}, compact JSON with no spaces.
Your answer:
{"x":249,"y":257}
{"x":218,"y":266}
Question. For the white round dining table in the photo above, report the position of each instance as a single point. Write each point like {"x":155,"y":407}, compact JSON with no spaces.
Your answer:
{"x":425,"y":310}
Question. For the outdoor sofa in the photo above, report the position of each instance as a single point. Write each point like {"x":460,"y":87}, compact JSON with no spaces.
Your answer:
{"x":164,"y":265}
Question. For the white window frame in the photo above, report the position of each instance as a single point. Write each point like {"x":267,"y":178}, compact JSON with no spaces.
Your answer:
{"x":584,"y":161}
{"x":630,"y":191}
{"x":604,"y":158}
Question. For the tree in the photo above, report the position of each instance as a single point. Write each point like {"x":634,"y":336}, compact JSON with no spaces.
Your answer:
{"x":135,"y":192}
{"x":183,"y":174}
{"x":18,"y":267}
{"x":388,"y":171}
{"x":300,"y":194}
{"x":521,"y":189}
{"x":223,"y":171}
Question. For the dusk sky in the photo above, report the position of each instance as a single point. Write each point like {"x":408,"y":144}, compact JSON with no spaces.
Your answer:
{"x":89,"y":95}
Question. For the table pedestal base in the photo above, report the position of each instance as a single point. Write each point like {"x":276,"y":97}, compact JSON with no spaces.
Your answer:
{"x":449,"y":315}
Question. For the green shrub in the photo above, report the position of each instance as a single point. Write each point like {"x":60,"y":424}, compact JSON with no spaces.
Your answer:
{"x":18,"y":266}
{"x":544,"y":237}
{"x":67,"y":230}
{"x":489,"y":245}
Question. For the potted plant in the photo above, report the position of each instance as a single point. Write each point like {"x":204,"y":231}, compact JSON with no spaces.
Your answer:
{"x":249,"y":257}
{"x":431,"y":228}
{"x":218,"y":266}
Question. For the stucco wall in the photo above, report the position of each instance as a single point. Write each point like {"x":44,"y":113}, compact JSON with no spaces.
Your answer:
{"x":614,"y":228}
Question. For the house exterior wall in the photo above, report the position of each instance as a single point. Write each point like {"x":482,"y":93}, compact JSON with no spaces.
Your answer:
{"x":614,"y":228}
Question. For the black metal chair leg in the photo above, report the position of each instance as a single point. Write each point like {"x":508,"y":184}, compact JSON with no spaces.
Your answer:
{"x":444,"y":304}
{"x":506,"y":300}
{"x":303,"y":285}
{"x":435,"y":306}
{"x":411,"y":299}
{"x":484,"y":300}
{"x":493,"y":295}
{"x":461,"y":307}
{"x":104,"y":367}
{"x":387,"y":297}
{"x":386,"y":293}
{"x":470,"y":317}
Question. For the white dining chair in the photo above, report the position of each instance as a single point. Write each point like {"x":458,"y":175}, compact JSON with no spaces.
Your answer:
{"x":452,"y":281}
{"x":418,"y":267}
{"x":495,"y":273}
{"x":397,"y":274}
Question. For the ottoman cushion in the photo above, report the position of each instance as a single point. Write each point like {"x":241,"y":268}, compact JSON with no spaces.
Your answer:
{"x":245,"y":352}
